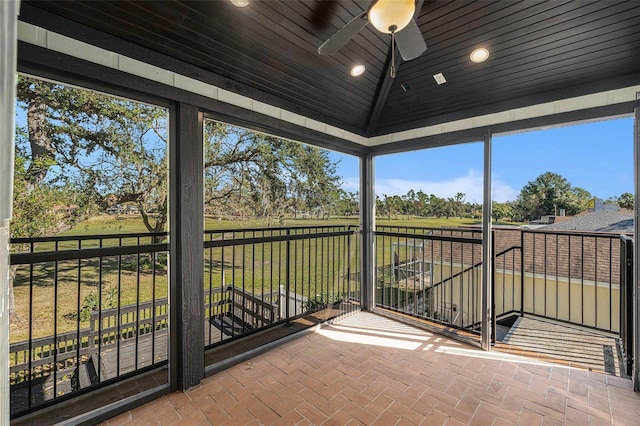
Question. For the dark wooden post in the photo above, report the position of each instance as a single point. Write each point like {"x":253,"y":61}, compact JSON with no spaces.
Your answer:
{"x":636,"y":252}
{"x":186,"y":362}
{"x":487,"y":249}
{"x":367,"y":225}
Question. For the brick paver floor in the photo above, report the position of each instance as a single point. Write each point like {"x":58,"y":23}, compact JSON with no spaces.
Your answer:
{"x":368,"y":369}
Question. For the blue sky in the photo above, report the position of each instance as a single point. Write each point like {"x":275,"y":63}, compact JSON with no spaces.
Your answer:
{"x":596,"y":156}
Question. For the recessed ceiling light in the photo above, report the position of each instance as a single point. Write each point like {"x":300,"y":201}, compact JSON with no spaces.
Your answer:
{"x":439,"y":78}
{"x":240,"y":3}
{"x":357,"y":70}
{"x":479,"y":55}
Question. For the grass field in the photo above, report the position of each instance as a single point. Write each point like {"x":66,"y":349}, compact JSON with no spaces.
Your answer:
{"x":318,"y":267}
{"x":106,"y":224}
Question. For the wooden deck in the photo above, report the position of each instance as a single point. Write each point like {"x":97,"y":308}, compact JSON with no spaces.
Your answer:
{"x":417,"y":282}
{"x":148,"y":352}
{"x":567,"y":344}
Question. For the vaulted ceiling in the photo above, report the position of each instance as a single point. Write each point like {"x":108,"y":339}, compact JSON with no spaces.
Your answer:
{"x":540,"y":51}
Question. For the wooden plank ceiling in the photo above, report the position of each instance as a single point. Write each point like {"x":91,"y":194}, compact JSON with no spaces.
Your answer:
{"x":539,"y":51}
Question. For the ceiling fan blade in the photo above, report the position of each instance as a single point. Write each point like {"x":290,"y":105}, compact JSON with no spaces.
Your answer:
{"x":343,"y":35}
{"x":410,"y":41}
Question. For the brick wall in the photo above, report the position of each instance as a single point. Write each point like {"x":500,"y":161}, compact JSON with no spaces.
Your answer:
{"x":579,"y":256}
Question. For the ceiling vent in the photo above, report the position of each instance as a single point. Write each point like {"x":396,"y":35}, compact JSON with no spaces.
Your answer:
{"x":439,"y":78}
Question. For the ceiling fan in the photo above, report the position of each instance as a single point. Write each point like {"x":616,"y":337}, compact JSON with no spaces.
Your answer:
{"x":393,"y":17}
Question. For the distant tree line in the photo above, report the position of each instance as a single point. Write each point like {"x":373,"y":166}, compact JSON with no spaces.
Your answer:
{"x":548,"y":194}
{"x":551,"y":194}
{"x":421,"y":204}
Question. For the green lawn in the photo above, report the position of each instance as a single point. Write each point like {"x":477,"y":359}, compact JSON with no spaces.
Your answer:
{"x":106,"y":224}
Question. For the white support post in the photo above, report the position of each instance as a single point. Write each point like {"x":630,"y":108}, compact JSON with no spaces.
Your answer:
{"x":8,"y":64}
{"x":636,"y":252}
{"x":487,"y":246}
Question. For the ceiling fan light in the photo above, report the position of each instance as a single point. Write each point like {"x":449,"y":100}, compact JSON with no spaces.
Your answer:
{"x":357,"y":70}
{"x":240,"y":3}
{"x":389,"y":16}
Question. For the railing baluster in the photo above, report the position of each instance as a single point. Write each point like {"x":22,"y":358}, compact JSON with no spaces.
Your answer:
{"x":416,"y":270}
{"x":154,"y":257}
{"x":581,"y":280}
{"x":472,"y":287}
{"x":335,"y":265}
{"x":302,"y":276}
{"x":210,"y":305}
{"x":137,"y":313}
{"x":262,"y":277}
{"x":316,"y":277}
{"x":513,"y":279}
{"x":233,"y":286}
{"x":30,"y":373}
{"x":322,"y":263}
{"x":329,"y":241}
{"x":545,"y":274}
{"x":493,"y":287}
{"x":451,"y":277}
{"x":253,"y":280}
{"x":595,"y":281}
{"x":119,"y":320}
{"x":79,"y":283}
{"x":557,"y":278}
{"x":281,"y":272}
{"x":522,"y":272}
{"x":533,"y":272}
{"x":55,"y":323}
{"x":99,"y":316}
{"x":244,"y":281}
{"x":622,"y":266}
{"x":271,"y":265}
{"x":569,"y":279}
{"x":287,"y":272}
{"x":221,"y":309}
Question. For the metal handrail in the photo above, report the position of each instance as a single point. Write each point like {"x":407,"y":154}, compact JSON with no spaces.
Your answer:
{"x":593,"y":256}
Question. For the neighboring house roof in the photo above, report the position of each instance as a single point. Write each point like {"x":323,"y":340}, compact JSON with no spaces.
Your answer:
{"x":534,"y":226}
{"x":601,"y":221}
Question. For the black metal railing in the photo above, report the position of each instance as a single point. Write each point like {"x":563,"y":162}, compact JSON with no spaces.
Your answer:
{"x":507,"y":282}
{"x":431,"y":273}
{"x":571,"y":277}
{"x":277,"y":274}
{"x":626,"y":301}
{"x":89,"y":310}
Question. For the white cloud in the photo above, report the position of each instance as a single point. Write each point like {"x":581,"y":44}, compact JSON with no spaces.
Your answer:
{"x":471,"y":185}
{"x":351,"y":184}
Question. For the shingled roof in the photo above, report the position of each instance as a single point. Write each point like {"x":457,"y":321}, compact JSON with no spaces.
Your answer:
{"x":601,"y":221}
